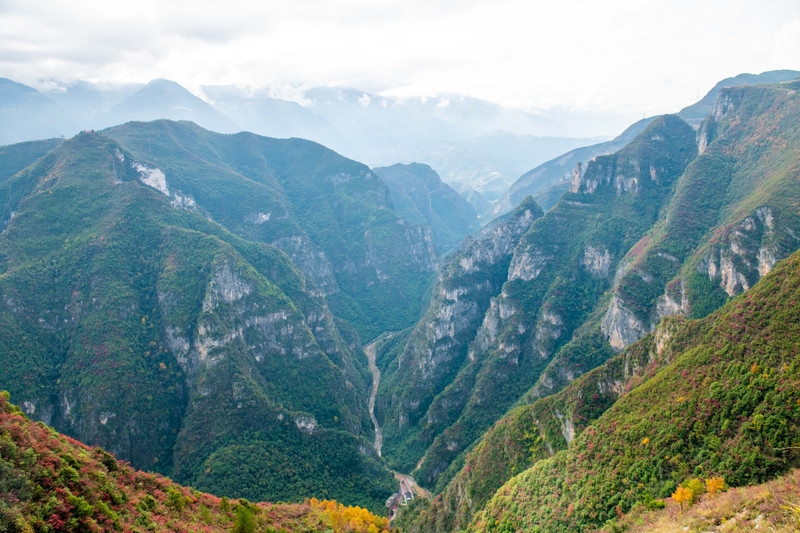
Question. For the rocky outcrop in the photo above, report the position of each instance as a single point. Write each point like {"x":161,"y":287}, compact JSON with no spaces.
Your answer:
{"x":621,"y":326}
{"x":311,"y":261}
{"x":547,"y":181}
{"x":438,"y":345}
{"x":558,"y":272}
{"x":527,"y":264}
{"x":597,"y":260}
{"x":750,"y":250}
{"x":727,"y":225}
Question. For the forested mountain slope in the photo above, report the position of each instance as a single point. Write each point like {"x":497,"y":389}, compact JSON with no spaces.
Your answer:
{"x":549,"y":180}
{"x":732,"y":221}
{"x":132,"y":320}
{"x":733,"y":217}
{"x":420,"y":196}
{"x":333,"y":216}
{"x":728,"y":406}
{"x":554,"y":282}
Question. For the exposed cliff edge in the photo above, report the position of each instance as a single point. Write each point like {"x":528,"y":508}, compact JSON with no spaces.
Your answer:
{"x":712,"y":232}
{"x":731,"y":220}
{"x":698,"y":409}
{"x":554,"y":278}
{"x":437,"y":346}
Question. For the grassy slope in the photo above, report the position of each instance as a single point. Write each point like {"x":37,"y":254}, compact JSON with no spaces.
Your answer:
{"x":728,"y":406}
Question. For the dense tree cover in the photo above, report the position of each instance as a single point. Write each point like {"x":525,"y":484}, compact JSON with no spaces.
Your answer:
{"x":740,"y":193}
{"x":332,"y":215}
{"x":160,"y":335}
{"x":14,"y":158}
{"x":728,"y":406}
{"x":734,"y":210}
{"x":552,"y":298}
{"x":420,"y":196}
{"x":534,"y":432}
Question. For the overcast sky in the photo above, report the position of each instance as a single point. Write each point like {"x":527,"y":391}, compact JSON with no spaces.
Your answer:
{"x":626,"y":56}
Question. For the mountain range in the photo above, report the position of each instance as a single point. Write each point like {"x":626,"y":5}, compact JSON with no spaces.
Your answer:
{"x":475,"y":145}
{"x":197,"y":270}
{"x":547,"y":182}
{"x":655,"y":244}
{"x":266,"y":319}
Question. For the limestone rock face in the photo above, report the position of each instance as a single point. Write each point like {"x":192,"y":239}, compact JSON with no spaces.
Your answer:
{"x":597,"y":260}
{"x":168,"y":338}
{"x":621,"y":326}
{"x":750,"y":251}
{"x":438,"y":345}
{"x":557,"y":272}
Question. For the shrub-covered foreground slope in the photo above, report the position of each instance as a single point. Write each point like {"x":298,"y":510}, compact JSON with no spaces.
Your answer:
{"x":729,"y":406}
{"x":50,"y":482}
{"x":773,"y":506}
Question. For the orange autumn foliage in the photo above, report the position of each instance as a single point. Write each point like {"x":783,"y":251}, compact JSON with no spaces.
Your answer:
{"x":344,"y":519}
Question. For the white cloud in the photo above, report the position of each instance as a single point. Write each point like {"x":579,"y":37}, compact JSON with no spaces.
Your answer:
{"x":627,"y":55}
{"x":786,"y":44}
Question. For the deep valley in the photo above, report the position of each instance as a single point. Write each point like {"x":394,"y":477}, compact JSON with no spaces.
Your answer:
{"x":265,"y":320}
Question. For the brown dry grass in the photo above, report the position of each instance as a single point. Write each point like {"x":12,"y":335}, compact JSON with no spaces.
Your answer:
{"x":772,"y":507}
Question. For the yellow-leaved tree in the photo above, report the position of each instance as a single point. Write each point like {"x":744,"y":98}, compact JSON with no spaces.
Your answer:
{"x":681,"y":495}
{"x":714,"y":485}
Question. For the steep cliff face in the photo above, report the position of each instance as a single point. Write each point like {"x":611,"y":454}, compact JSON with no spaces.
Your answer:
{"x":724,"y":403}
{"x":731,"y":220}
{"x":710,"y":234}
{"x":534,"y":432}
{"x":560,"y":270}
{"x":696,"y":113}
{"x":135,"y":324}
{"x":554,"y":282}
{"x":549,"y":180}
{"x":437,"y":346}
{"x":334,"y":217}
